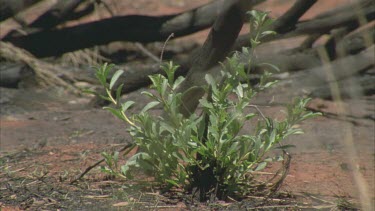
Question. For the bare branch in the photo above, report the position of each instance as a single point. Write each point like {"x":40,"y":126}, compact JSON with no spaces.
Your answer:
{"x":134,"y":28}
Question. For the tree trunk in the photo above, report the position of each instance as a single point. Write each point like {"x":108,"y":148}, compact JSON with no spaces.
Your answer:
{"x":216,"y":47}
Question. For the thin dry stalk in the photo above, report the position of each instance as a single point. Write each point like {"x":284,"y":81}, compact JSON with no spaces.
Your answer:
{"x":285,"y":170}
{"x":89,"y":57}
{"x":359,"y":180}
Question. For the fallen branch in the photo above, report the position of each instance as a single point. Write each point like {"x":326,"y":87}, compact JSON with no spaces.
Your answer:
{"x":11,"y":8}
{"x":133,"y":28}
{"x":343,"y":68}
{"x":347,"y":16}
{"x":136,"y":76}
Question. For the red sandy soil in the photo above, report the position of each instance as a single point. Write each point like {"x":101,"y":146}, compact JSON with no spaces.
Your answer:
{"x":60,"y":134}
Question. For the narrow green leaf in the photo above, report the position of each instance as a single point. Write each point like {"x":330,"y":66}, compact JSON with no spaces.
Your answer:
{"x":115,"y":112}
{"x":149,"y":106}
{"x":261,"y":166}
{"x":125,"y":106}
{"x":178,"y":81}
{"x":250,"y":116}
{"x":88,"y":91}
{"x":205,"y":103}
{"x":274,"y":67}
{"x":156,"y":80}
{"x":115,"y":156}
{"x":105,"y":98}
{"x":239,"y":91}
{"x":163,"y":87}
{"x":172,"y":182}
{"x":118,"y":92}
{"x":150,"y":95}
{"x":266,"y":33}
{"x":115,"y":77}
{"x":101,"y":79}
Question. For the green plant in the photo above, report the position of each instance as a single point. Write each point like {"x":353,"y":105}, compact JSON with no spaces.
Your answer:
{"x":205,"y":151}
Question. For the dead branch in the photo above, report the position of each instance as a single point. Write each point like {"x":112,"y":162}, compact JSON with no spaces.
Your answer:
{"x":10,"y":8}
{"x":136,"y":76}
{"x":283,"y":24}
{"x":345,"y":16}
{"x":59,"y":13}
{"x":324,"y":25}
{"x":345,"y":70}
{"x":133,"y":28}
{"x":288,"y":20}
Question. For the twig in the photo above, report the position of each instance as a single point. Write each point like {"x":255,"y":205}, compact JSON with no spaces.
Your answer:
{"x":272,"y":207}
{"x":309,"y":41}
{"x":99,"y":162}
{"x":106,"y":6}
{"x":161,"y":207}
{"x":259,"y":111}
{"x":318,"y":199}
{"x":165,"y":44}
{"x":359,"y":181}
{"x":268,"y":173}
{"x":265,"y":198}
{"x":286,"y":165}
{"x":345,"y":117}
{"x":147,"y":52}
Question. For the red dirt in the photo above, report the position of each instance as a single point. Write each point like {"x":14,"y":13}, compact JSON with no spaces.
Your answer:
{"x":65,"y":137}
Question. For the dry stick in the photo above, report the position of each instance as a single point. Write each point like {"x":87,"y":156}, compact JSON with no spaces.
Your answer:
{"x":106,"y":6}
{"x":285,"y":170}
{"x":322,"y":23}
{"x":359,"y":180}
{"x":288,"y":20}
{"x":128,"y":146}
{"x":165,"y":44}
{"x":272,"y":207}
{"x":146,"y":52}
{"x":153,"y":29}
{"x":309,"y":41}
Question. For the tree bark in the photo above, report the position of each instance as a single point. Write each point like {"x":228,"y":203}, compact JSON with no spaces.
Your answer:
{"x":216,"y":47}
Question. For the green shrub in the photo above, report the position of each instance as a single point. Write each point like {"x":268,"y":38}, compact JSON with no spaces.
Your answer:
{"x":206,"y":151}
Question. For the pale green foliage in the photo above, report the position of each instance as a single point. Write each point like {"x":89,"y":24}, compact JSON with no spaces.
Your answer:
{"x":169,"y":144}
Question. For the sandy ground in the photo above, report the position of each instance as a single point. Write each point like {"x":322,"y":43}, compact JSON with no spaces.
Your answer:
{"x":56,"y":132}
